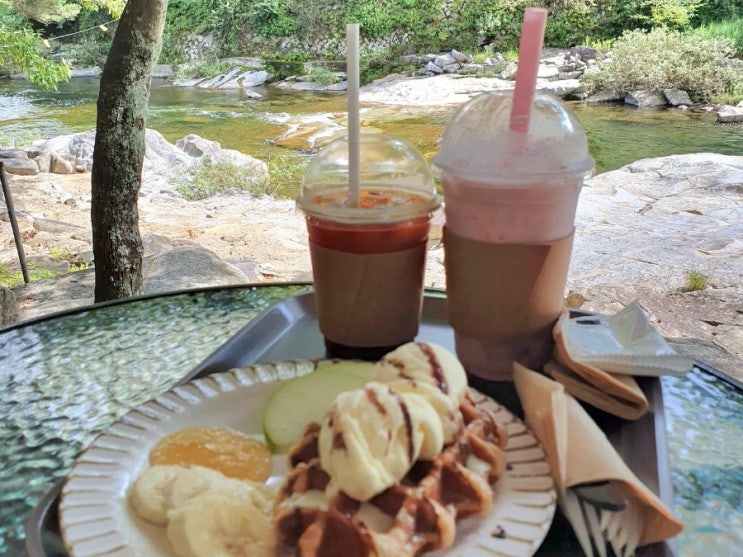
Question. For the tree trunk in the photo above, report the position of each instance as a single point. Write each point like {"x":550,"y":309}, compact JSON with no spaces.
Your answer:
{"x":118,"y":154}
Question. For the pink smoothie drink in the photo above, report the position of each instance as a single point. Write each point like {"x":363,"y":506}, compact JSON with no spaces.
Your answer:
{"x":510,"y":202}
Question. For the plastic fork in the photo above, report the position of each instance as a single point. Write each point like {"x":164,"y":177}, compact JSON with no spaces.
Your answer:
{"x":600,"y":517}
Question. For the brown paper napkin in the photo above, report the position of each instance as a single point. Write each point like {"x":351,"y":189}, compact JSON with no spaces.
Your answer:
{"x":617,"y":394}
{"x":579,"y":452}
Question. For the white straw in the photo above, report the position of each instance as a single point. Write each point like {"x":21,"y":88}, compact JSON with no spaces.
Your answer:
{"x":354,"y":125}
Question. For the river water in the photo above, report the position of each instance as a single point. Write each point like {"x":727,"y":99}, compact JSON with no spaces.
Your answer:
{"x":263,"y":128}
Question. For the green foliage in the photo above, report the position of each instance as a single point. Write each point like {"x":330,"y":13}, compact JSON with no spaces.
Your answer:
{"x":47,"y":11}
{"x":664,"y":59}
{"x":57,"y":12}
{"x":271,"y":18}
{"x":729,"y":28}
{"x":22,"y":52}
{"x":284,"y":174}
{"x":11,"y":278}
{"x":719,"y":10}
{"x":377,"y":62}
{"x":283,"y":65}
{"x":569,"y":22}
{"x":323,"y":75}
{"x":674,"y":15}
{"x":494,"y":22}
{"x":213,"y":178}
{"x":202,"y":68}
{"x":695,"y":281}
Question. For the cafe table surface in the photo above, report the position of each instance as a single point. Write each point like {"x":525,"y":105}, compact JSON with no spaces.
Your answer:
{"x":68,"y":376}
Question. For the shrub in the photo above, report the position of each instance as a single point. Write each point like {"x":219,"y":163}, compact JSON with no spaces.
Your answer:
{"x":283,"y":65}
{"x":664,"y":59}
{"x":323,"y":75}
{"x":213,"y":178}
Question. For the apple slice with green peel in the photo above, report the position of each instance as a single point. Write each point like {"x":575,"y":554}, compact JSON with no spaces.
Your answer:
{"x":305,"y":399}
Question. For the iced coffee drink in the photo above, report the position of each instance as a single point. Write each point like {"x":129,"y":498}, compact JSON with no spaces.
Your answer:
{"x":369,"y":253}
{"x":510,"y":200}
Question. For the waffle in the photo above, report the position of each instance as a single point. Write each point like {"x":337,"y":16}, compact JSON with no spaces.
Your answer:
{"x":417,"y":515}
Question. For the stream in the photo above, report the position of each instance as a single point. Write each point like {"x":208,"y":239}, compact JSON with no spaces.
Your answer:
{"x":285,"y":122}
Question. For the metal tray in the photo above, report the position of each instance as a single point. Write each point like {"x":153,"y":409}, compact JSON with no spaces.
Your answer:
{"x":288,"y":330}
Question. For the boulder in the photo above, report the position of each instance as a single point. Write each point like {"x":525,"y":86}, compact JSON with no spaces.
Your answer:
{"x":199,"y":148}
{"x":677,"y":97}
{"x":564,"y":88}
{"x":730,"y":114}
{"x":41,"y":156}
{"x":550,"y":73}
{"x":60,"y":164}
{"x":431,"y":68}
{"x":188,"y":267}
{"x":19,"y":164}
{"x":196,"y":146}
{"x":606,"y":97}
{"x":645,"y":99}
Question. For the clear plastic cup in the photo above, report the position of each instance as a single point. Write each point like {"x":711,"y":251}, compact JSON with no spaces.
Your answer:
{"x":368,"y":259}
{"x":509,"y":200}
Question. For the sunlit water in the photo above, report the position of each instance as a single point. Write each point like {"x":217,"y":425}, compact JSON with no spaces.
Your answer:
{"x":617,"y":134}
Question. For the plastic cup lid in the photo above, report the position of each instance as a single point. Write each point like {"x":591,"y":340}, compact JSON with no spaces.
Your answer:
{"x":478,"y":144}
{"x":386,"y":165}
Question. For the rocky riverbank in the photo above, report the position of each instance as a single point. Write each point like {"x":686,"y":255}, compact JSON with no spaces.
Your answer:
{"x":641,"y":230}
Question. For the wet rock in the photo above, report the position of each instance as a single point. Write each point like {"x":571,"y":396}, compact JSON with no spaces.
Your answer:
{"x":730,"y":114}
{"x":606,"y":97}
{"x":645,"y":99}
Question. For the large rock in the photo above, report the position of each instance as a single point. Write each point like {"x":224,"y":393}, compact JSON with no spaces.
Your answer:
{"x":164,"y":163}
{"x":677,"y":97}
{"x":730,"y":114}
{"x":16,"y":161}
{"x":655,"y":220}
{"x":188,"y":267}
{"x":645,"y":99}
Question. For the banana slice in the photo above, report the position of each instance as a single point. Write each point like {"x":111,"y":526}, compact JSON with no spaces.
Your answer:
{"x":191,"y":482}
{"x":149,"y":495}
{"x":213,"y":525}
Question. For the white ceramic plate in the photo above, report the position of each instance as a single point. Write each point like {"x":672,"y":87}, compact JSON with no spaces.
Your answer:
{"x":95,"y":518}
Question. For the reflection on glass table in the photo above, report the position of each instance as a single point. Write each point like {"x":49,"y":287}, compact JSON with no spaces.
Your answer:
{"x":67,"y":377}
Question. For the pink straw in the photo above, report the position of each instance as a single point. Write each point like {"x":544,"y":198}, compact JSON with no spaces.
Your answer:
{"x":530,"y":50}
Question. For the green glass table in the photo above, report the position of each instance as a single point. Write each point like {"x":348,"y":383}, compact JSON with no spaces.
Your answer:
{"x":67,"y":377}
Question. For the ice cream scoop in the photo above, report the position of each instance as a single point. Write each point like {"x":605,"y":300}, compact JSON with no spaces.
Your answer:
{"x":425,"y":363}
{"x":371,"y":437}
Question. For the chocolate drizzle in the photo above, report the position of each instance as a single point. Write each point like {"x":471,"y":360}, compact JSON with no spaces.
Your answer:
{"x":408,"y":428}
{"x":372,"y":396}
{"x":436,"y":370}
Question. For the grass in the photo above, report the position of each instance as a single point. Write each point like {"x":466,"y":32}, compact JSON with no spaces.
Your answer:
{"x":728,"y":28}
{"x":285,"y":174}
{"x":695,"y":281}
{"x":11,"y":278}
